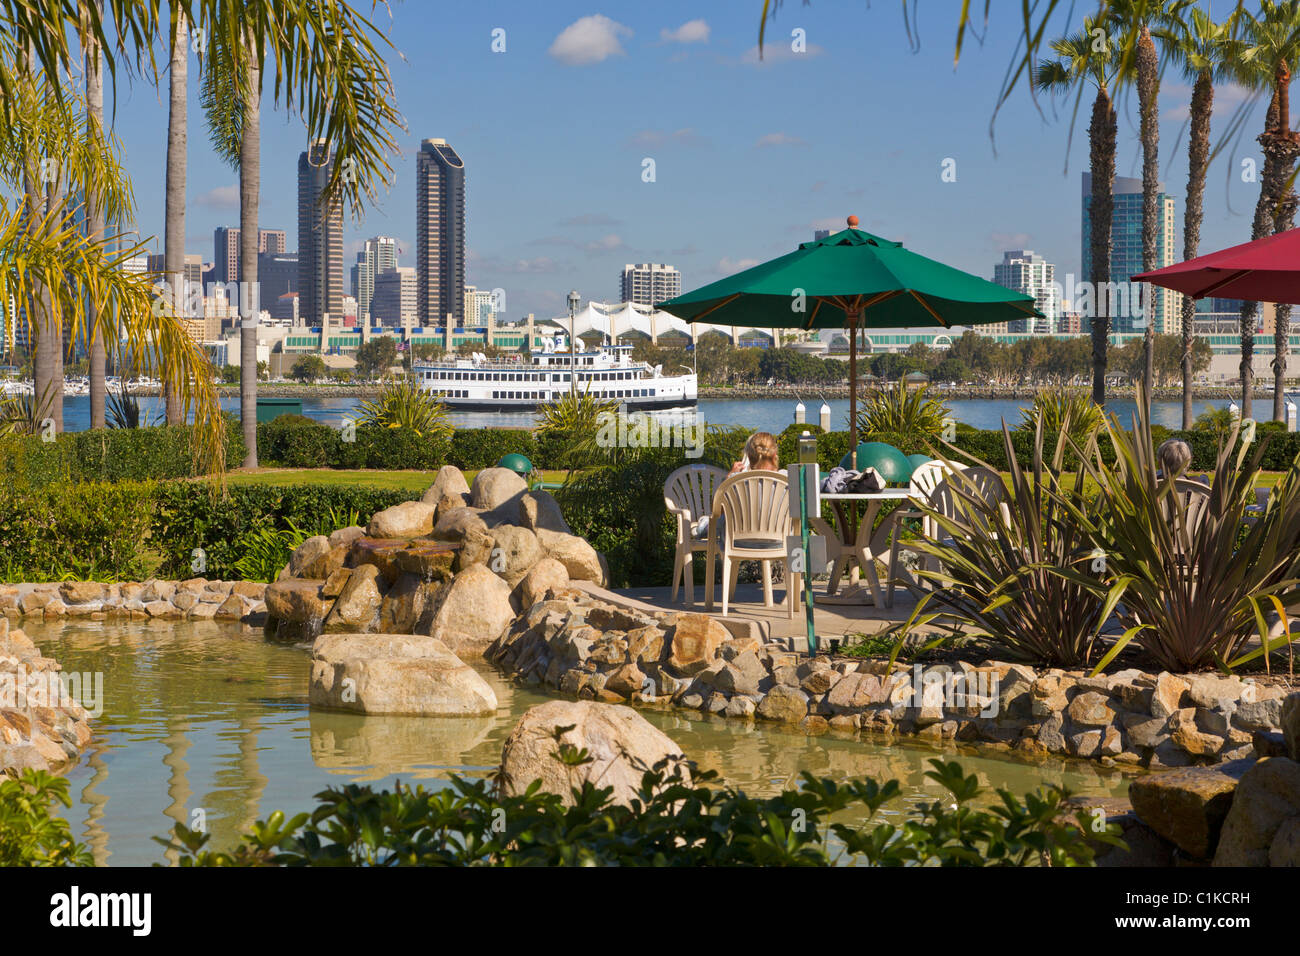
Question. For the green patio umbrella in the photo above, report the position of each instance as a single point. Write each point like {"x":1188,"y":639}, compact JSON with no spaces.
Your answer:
{"x":852,"y":280}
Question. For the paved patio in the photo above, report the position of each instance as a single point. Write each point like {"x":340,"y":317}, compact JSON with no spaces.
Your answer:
{"x":832,"y":619}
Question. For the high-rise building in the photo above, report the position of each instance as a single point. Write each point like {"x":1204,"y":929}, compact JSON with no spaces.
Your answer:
{"x":648,"y":283}
{"x":225,"y":250}
{"x":440,"y":233}
{"x":395,"y":301}
{"x":1022,"y":271}
{"x":1126,"y":257}
{"x":479,"y":305}
{"x":377,"y":255}
{"x":277,"y":274}
{"x":820,"y":234}
{"x":320,"y":240}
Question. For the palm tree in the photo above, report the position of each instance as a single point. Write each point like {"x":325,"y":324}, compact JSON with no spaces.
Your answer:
{"x":177,"y":157}
{"x":1087,"y":57}
{"x":94,"y":215}
{"x":1201,"y":48}
{"x":1271,"y":42}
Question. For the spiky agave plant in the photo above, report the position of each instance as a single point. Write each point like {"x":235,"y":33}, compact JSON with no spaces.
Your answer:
{"x":404,"y":404}
{"x":1006,"y":569}
{"x":571,"y":428}
{"x":902,"y":415}
{"x":1055,"y":407}
{"x":1193,"y":591}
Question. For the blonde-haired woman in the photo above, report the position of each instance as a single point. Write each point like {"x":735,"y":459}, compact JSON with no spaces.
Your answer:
{"x":760,"y":454}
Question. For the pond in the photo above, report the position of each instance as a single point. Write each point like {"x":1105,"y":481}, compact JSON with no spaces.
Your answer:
{"x":199,"y":716}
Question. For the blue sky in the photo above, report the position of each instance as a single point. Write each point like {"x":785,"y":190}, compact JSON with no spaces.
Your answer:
{"x":749,"y":157}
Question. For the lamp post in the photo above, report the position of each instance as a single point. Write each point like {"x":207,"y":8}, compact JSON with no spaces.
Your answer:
{"x":573,"y":343}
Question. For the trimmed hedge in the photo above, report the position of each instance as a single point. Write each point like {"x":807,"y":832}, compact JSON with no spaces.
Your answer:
{"x":188,"y":515}
{"x":474,"y":448}
{"x":108,"y":454}
{"x":295,"y":441}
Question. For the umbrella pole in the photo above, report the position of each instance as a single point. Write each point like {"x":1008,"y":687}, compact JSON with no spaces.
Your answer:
{"x":853,"y":388}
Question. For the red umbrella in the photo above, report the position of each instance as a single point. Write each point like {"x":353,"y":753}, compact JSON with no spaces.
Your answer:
{"x":1266,"y":270}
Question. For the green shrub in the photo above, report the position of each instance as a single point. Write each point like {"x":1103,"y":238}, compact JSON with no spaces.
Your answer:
{"x":670,"y":823}
{"x":188,"y":516}
{"x":295,"y":441}
{"x":108,"y":454}
{"x":475,"y":448}
{"x":32,"y":835}
{"x":94,"y":531}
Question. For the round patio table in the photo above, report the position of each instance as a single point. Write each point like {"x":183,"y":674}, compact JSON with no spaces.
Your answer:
{"x":865,"y":541}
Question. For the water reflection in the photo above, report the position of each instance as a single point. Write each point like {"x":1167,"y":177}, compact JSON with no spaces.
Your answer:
{"x":206,"y":716}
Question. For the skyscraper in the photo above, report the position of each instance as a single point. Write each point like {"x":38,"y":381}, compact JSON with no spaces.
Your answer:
{"x":649,"y":282}
{"x":377,"y":255}
{"x":320,"y":240}
{"x":394,"y":300}
{"x":225,"y":249}
{"x":1022,"y":271}
{"x":440,"y":232}
{"x":1126,"y":255}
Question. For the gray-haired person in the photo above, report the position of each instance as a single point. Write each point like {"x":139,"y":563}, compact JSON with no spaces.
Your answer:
{"x":1175,"y":457}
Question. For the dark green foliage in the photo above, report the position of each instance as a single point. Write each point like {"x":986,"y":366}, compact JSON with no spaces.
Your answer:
{"x":188,"y":516}
{"x":112,"y":454}
{"x":32,"y":835}
{"x":475,"y":448}
{"x":294,"y":441}
{"x":88,"y":531}
{"x":671,"y":823}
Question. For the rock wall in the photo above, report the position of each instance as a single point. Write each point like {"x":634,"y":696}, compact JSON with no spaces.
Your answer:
{"x":42,"y":727}
{"x":196,"y":599}
{"x":579,"y":645}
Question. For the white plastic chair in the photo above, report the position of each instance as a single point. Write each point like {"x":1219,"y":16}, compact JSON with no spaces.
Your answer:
{"x":944,"y":499}
{"x":754,"y":507}
{"x":688,"y":495}
{"x":925,"y":479}
{"x":1194,"y":497}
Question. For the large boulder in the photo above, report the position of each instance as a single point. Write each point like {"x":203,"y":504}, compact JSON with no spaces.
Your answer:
{"x":1291,"y":725}
{"x":455,"y":524}
{"x":395,"y":674}
{"x":494,"y":487}
{"x":514,"y":552}
{"x":471,"y":612}
{"x":1188,"y":806}
{"x":448,"y":481}
{"x":297,"y":599}
{"x":307,"y":554}
{"x":346,"y":536}
{"x":405,"y":604}
{"x":547,"y":574}
{"x":1267,"y":797}
{"x":695,"y":642}
{"x":578,"y":557}
{"x":621,"y":743}
{"x":410,"y":519}
{"x":356,"y":609}
{"x":540,"y":510}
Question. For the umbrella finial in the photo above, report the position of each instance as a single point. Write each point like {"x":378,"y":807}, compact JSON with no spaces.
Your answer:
{"x":853,"y":222}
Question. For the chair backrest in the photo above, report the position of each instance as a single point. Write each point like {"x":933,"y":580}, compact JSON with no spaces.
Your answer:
{"x":691,"y":488}
{"x":1194,"y":498}
{"x":927,"y":477}
{"x":1262,"y":496}
{"x":944,"y":498}
{"x":755,"y":506}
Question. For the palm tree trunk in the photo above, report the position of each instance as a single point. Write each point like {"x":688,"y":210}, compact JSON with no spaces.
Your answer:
{"x":1260,"y":227}
{"x":1284,"y":145}
{"x":1198,"y":161}
{"x":95,"y":227}
{"x":1148,"y":85}
{"x":174,"y":229}
{"x":1101,"y":143}
{"x":250,"y":150}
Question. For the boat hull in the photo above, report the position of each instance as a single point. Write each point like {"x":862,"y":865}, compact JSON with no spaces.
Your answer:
{"x":521,"y":405}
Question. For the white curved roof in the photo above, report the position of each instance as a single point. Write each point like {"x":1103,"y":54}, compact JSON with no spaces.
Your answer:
{"x":615,"y":319}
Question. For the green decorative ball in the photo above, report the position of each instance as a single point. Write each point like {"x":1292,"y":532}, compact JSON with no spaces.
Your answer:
{"x":918,"y":460}
{"x":893,"y":466}
{"x":516,"y":463}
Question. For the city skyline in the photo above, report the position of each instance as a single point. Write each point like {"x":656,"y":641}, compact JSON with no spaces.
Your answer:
{"x":559,"y":199}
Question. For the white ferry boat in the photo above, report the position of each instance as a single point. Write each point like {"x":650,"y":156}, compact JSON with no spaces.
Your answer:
{"x":518,"y":382}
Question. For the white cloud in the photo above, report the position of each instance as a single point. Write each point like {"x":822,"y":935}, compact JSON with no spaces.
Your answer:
{"x":658,"y":137}
{"x":589,"y":40}
{"x":726,"y":265}
{"x":591,"y":219}
{"x":779,"y":139}
{"x":223,"y":197}
{"x":779,"y":51}
{"x":692,"y":31}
